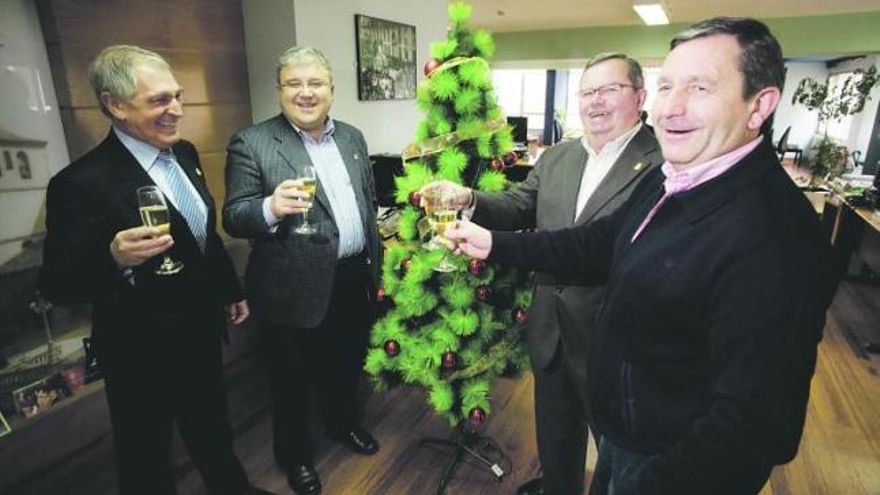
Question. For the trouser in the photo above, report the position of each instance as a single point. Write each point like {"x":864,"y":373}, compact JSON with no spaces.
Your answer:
{"x":326,"y":360}
{"x":562,"y":426}
{"x":170,"y":382}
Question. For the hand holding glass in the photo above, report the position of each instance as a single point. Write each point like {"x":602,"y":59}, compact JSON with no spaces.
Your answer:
{"x":308,"y":184}
{"x":154,"y":213}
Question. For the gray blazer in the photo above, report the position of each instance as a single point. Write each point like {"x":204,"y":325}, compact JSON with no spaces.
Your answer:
{"x":289,"y":276}
{"x":565,"y":308}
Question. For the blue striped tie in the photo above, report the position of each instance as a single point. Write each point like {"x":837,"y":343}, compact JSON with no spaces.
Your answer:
{"x":186,"y":203}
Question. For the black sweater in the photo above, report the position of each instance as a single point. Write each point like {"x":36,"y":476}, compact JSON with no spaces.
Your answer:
{"x":706,"y":343}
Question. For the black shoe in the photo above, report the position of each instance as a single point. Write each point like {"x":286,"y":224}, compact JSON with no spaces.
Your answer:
{"x":532,"y":487}
{"x":304,"y":480}
{"x":359,"y":441}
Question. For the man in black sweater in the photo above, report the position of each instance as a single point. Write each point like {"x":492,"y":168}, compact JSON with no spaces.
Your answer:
{"x":718,"y":282}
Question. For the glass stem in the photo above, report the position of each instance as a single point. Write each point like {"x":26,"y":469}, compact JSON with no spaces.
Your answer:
{"x":306,"y":217}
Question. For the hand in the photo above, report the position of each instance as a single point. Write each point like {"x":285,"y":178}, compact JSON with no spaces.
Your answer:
{"x":238,"y":311}
{"x":288,"y":199}
{"x":470,"y":239}
{"x":460,"y":196}
{"x":131,"y":247}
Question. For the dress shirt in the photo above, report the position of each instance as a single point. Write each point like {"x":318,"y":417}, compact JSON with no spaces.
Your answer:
{"x":333,"y":177}
{"x":146,"y":155}
{"x":599,"y":163}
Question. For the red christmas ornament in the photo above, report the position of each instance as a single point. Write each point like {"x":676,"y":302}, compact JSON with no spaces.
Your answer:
{"x":449,"y":361}
{"x":415,"y":199}
{"x":483,"y":292}
{"x":497,"y":164}
{"x":392,"y":348}
{"x":476,"y":267}
{"x":520,"y":315}
{"x":431,"y":65}
{"x":380,"y":294}
{"x":477,"y":415}
{"x":405,"y":264}
{"x":510,"y":158}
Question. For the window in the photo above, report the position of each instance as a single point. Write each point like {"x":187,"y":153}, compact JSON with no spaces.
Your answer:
{"x":837,"y":130}
{"x":521,"y":93}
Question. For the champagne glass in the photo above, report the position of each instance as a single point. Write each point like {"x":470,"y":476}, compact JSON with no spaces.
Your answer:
{"x":308,"y":184}
{"x":154,"y":213}
{"x":441,"y":212}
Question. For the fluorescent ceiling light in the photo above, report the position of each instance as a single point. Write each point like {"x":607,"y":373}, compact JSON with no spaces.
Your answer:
{"x":652,"y":14}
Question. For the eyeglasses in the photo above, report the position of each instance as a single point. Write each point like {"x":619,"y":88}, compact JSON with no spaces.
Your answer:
{"x":297,"y":86}
{"x":606,"y":91}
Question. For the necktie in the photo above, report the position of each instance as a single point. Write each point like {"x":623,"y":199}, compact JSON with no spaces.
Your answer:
{"x":186,"y":202}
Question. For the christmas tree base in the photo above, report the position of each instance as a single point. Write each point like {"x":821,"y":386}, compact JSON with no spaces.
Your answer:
{"x":466,"y":445}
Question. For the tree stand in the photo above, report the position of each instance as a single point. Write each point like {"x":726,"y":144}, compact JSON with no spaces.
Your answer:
{"x":467,"y":444}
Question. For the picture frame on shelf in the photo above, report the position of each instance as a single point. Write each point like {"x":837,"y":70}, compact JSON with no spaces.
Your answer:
{"x":37,"y":397}
{"x":386,"y":59}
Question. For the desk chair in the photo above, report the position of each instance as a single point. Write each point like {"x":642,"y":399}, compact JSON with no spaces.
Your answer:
{"x":783,"y":148}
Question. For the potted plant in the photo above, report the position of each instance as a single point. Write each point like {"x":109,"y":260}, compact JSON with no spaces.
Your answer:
{"x":829,"y":159}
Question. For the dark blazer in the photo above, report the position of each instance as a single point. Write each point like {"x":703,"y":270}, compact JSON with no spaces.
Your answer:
{"x":290,"y":276}
{"x":706,"y":344}
{"x":565,"y":307}
{"x":86,"y":204}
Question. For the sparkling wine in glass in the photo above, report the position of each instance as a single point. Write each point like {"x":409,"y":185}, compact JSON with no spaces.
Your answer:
{"x":441,"y":213}
{"x":308,"y":184}
{"x":154,"y":213}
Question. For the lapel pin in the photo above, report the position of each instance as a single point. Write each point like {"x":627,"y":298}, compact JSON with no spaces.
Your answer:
{"x":356,"y":156}
{"x":199,"y":172}
{"x":638,"y":166}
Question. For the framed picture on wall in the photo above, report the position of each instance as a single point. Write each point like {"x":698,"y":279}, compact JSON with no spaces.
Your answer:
{"x":386,"y":59}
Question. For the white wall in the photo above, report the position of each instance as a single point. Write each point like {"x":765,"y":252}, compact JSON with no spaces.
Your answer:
{"x":863,"y":122}
{"x":269,"y":29}
{"x":803,"y":122}
{"x":329,"y":26}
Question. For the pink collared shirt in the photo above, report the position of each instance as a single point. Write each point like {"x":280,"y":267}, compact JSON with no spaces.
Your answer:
{"x":691,"y":177}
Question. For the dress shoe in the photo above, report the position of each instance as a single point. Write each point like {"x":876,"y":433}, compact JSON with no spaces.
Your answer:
{"x":304,"y":480}
{"x":358,"y":441}
{"x":531,"y":487}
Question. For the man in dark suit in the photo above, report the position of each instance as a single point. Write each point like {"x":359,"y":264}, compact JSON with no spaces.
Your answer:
{"x":156,"y":337}
{"x":313,"y":293}
{"x":573,"y":183}
{"x":718,"y":279}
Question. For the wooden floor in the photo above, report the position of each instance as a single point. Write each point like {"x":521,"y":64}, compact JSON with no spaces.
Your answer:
{"x":839,"y":454}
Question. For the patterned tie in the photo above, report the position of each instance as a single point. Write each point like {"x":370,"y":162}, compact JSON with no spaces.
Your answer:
{"x":186,"y":203}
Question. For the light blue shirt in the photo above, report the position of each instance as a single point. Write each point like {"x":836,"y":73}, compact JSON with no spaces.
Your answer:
{"x":334,"y":178}
{"x":146,"y":155}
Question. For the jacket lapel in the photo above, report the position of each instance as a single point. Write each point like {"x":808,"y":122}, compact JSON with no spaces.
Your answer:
{"x":632,"y":163}
{"x":126,"y":171}
{"x":352,"y":158}
{"x":576,"y":161}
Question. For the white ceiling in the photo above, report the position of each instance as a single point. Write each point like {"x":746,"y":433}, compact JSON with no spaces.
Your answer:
{"x":528,"y":15}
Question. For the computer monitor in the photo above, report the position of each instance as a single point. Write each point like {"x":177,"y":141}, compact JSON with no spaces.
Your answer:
{"x":520,"y":127}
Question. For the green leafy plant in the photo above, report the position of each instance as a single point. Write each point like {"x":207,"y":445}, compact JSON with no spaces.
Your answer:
{"x":829,"y":159}
{"x":850,"y":100}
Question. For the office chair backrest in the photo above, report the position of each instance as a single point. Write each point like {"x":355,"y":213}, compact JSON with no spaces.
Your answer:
{"x":782,"y":145}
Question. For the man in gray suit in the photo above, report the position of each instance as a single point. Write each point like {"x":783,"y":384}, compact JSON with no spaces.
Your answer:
{"x":312,"y":293}
{"x":573,"y":183}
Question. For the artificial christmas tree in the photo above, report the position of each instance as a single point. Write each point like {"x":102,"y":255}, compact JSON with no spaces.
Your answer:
{"x":452,"y":332}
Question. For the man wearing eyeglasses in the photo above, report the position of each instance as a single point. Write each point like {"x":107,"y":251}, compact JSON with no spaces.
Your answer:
{"x":573,"y":183}
{"x":312,"y":293}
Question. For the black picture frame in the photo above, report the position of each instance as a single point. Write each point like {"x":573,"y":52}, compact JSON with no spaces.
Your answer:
{"x":386,"y":59}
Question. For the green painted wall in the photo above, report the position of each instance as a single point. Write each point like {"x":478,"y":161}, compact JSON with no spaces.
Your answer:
{"x":800,"y":37}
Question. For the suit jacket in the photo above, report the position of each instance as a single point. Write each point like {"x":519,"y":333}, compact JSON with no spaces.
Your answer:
{"x":92,"y":199}
{"x":290,"y":276}
{"x":565,"y":307}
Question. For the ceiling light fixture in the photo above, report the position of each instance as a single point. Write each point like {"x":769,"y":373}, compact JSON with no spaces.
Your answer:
{"x":652,"y":14}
